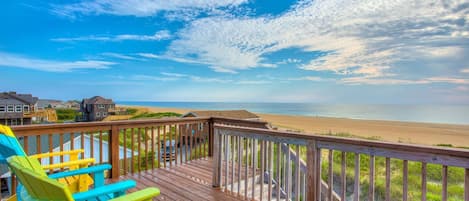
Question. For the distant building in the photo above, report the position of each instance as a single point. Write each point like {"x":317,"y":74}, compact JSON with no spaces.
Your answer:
{"x":96,"y":108}
{"x":16,"y":109}
{"x":235,"y":114}
{"x":47,"y":103}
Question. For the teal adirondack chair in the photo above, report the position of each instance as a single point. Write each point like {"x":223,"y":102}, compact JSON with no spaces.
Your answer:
{"x":9,"y":146}
{"x":36,"y":185}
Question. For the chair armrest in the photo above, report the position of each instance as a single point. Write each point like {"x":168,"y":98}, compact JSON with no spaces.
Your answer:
{"x":142,"y":195}
{"x":109,"y":190}
{"x":88,"y":170}
{"x":58,"y":153}
{"x":80,"y":162}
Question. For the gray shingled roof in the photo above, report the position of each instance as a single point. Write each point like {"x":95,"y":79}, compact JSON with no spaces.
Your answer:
{"x":97,"y":100}
{"x":14,"y":98}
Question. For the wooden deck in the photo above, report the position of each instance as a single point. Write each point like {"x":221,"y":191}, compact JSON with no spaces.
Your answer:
{"x":191,"y":181}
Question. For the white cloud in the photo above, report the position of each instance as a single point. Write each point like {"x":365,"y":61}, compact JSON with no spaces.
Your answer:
{"x":160,"y":35}
{"x":361,"y":37}
{"x":12,"y":60}
{"x":253,"y":82}
{"x":139,"y":8}
{"x":466,"y":70}
{"x":392,"y":81}
{"x":121,"y":56}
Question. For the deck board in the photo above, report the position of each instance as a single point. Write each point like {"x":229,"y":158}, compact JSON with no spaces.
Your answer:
{"x":191,"y":181}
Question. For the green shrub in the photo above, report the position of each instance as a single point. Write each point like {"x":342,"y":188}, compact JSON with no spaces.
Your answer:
{"x":66,"y":114}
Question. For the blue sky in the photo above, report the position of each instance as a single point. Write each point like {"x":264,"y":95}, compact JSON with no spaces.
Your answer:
{"x":323,"y":51}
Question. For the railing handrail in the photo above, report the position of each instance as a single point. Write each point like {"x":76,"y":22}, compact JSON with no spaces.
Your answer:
{"x":456,"y":152}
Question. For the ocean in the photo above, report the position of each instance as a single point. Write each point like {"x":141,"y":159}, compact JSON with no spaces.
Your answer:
{"x":450,"y":114}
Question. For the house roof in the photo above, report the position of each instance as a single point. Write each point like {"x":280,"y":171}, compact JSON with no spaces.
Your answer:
{"x":97,"y":100}
{"x":236,"y":114}
{"x":14,"y":98}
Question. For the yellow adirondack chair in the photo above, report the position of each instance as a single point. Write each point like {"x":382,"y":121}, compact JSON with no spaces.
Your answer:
{"x":9,"y":146}
{"x":36,"y":185}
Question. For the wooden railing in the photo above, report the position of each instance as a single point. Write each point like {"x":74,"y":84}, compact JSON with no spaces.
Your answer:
{"x":251,"y":163}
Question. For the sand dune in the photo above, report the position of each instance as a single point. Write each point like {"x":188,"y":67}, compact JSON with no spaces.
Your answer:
{"x":395,"y":131}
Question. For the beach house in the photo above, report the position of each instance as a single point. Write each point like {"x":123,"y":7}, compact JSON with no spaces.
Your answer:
{"x":95,"y":108}
{"x":16,"y":109}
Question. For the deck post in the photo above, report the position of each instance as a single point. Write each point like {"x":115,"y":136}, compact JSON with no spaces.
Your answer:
{"x":312,"y":172}
{"x":114,"y":151}
{"x":216,"y":181}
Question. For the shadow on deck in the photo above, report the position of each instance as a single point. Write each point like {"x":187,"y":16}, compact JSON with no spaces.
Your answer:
{"x":191,"y":181}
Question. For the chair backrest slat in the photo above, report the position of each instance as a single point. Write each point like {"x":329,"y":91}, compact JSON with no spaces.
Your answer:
{"x":38,"y":186}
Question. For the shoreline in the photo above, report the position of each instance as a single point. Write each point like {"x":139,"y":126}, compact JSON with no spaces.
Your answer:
{"x":393,"y":131}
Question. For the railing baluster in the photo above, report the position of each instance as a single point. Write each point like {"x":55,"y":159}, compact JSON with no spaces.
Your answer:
{"x":288,"y":174}
{"x":444,"y":188}
{"x":100,"y":146}
{"x":61,"y":144}
{"x":139,"y":149}
{"x":246,"y":171}
{"x":132,"y":168}
{"x":25,"y":147}
{"x":356,"y":187}
{"x":343,"y":176}
{"x":159,"y":155}
{"x":153,"y":152}
{"x":91,"y":144}
{"x":82,"y":144}
{"x":404,"y":180}
{"x":227,"y":152}
{"x":240,"y":154}
{"x":270,"y":164}
{"x":388,"y":179}
{"x":262,"y":155}
{"x":424,"y":181}
{"x":254,"y":167}
{"x":72,"y":141}
{"x":466,"y":185}
{"x":170,"y":146}
{"x":296,"y":184}
{"x":181,"y":131}
{"x":331,"y":175}
{"x":279,"y":155}
{"x":50,"y":150}
{"x":146,"y":148}
{"x":233,"y":140}
{"x":164,"y":155}
{"x":371,"y":189}
{"x":318,"y":174}
{"x":125,"y":151}
{"x":191,"y":138}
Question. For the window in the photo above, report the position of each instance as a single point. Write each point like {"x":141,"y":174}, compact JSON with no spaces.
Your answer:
{"x":98,"y":114}
{"x":101,"y":106}
{"x":18,"y":108}
{"x":26,"y":108}
{"x":3,"y":108}
{"x":10,"y":108}
{"x":104,"y":114}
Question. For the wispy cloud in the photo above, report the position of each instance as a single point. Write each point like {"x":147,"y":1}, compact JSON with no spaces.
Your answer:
{"x":160,"y":35}
{"x":139,"y":8}
{"x":367,"y":38}
{"x":121,"y":56}
{"x":168,"y":76}
{"x":466,"y":70}
{"x":392,"y":81}
{"x":13,"y":60}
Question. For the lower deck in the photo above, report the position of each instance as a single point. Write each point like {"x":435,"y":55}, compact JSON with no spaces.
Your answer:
{"x":190,"y":181}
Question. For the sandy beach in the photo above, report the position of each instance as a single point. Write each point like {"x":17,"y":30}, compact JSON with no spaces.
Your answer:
{"x":395,"y":131}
